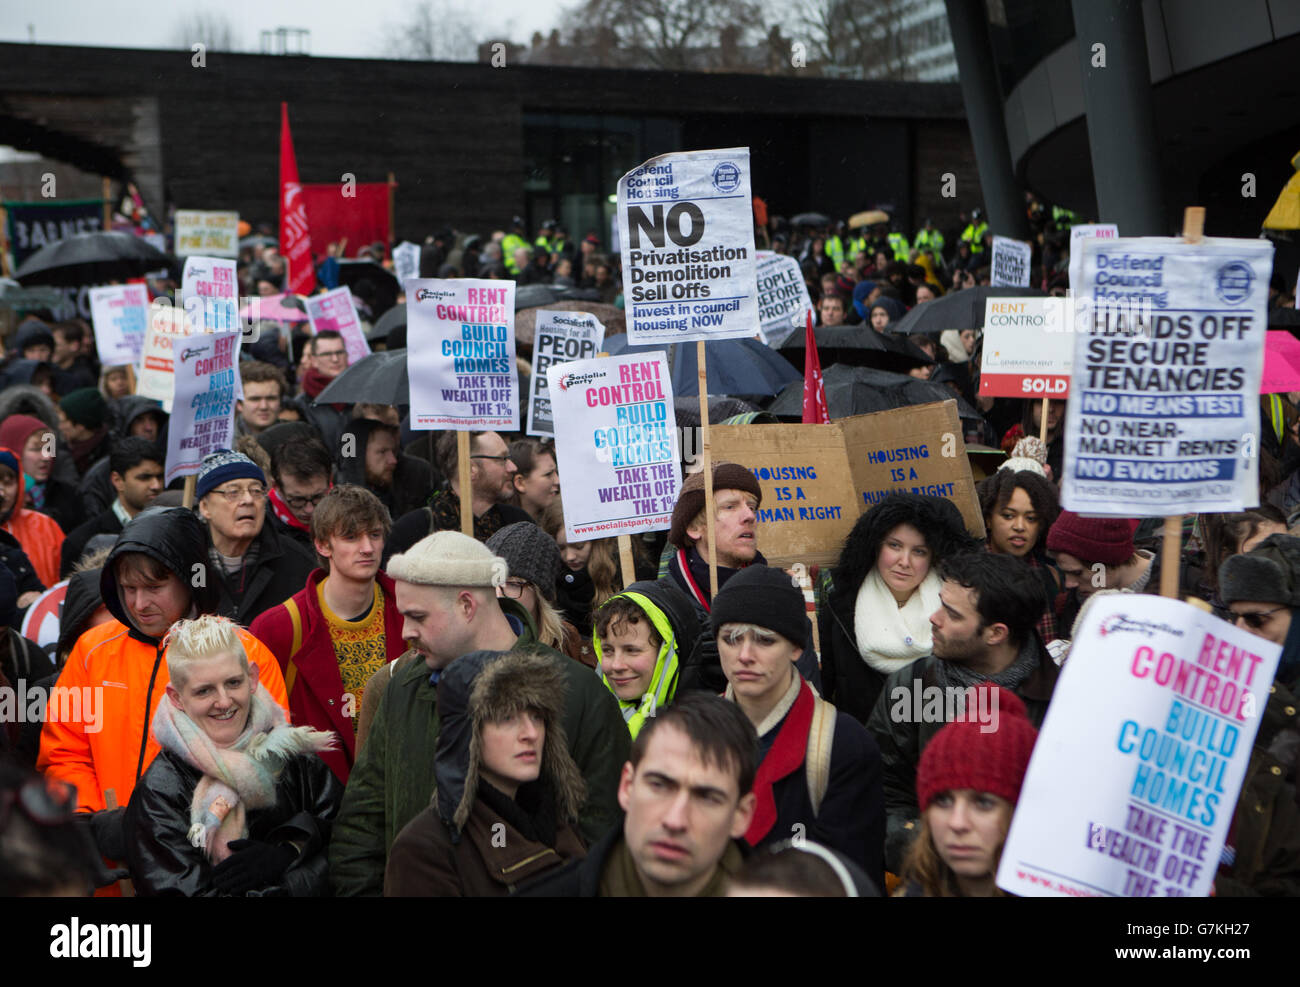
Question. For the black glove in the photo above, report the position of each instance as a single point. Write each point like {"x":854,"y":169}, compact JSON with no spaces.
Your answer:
{"x":101,"y":874}
{"x":109,"y":836}
{"x":252,"y":865}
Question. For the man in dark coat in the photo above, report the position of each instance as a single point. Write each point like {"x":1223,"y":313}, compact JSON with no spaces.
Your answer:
{"x":370,"y":456}
{"x":445,"y":593}
{"x":133,"y":416}
{"x":687,"y":798}
{"x":255,"y":568}
{"x":1097,"y":553}
{"x":136,"y":471}
{"x":984,"y":631}
{"x":819,"y":776}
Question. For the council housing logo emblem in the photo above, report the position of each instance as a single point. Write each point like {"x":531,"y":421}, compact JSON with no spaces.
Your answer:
{"x":726,"y":177}
{"x":1232,"y":282}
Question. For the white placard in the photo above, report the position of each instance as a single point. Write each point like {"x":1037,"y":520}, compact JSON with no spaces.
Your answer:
{"x":213,"y":234}
{"x":1028,"y":348}
{"x":686,"y":228}
{"x":335,"y":310}
{"x":557,"y":338}
{"x":460,"y":354}
{"x":406,"y":262}
{"x":1102,"y":231}
{"x":1163,"y":416}
{"x":783,"y":301}
{"x":1136,"y":772}
{"x":120,"y":315}
{"x":1011,"y":260}
{"x":155,"y":378}
{"x":615,"y":427}
{"x":203,"y":415}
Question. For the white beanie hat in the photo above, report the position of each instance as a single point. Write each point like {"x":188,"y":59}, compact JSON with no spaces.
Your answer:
{"x":449,"y":558}
{"x":1029,"y":454}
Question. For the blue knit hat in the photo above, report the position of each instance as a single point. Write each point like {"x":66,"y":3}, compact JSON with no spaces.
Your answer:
{"x":223,"y":466}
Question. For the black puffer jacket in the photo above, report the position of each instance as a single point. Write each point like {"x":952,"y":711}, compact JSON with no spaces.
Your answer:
{"x":164,"y":862}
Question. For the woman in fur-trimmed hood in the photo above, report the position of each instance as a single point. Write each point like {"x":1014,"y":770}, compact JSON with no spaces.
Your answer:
{"x":508,"y":792}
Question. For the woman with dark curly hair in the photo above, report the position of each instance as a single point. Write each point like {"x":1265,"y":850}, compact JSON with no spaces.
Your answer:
{"x":877,"y":614}
{"x":1019,"y":506}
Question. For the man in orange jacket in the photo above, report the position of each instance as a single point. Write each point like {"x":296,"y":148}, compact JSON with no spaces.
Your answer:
{"x":96,"y":731}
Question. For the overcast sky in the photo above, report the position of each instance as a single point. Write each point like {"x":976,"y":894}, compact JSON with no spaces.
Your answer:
{"x":338,"y":27}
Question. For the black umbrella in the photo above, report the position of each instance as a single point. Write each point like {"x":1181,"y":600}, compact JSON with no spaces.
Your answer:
{"x":379,"y":378}
{"x":91,"y":258}
{"x":383,"y":289}
{"x":814,"y":219}
{"x":720,"y":408}
{"x":390,"y":320}
{"x":956,"y":310}
{"x":857,"y":346}
{"x":863,"y":390}
{"x":535,"y":295}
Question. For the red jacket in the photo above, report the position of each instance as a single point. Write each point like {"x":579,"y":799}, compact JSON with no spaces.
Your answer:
{"x":298,"y":634}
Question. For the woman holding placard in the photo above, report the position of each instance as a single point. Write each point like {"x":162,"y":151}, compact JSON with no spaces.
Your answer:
{"x":877,"y":614}
{"x":967,"y":785}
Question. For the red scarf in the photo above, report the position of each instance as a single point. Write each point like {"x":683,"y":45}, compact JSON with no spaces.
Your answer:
{"x":281,"y":510}
{"x":785,"y":758}
{"x":313,"y":382}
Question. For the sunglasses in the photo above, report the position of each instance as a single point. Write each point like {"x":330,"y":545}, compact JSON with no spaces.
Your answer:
{"x":1255,"y":619}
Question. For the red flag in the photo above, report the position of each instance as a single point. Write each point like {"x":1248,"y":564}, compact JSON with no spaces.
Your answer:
{"x":295,"y":241}
{"x":815,"y":411}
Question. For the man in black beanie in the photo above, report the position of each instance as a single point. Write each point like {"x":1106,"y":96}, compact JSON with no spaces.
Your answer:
{"x":820,"y":775}
{"x":1261,"y":589}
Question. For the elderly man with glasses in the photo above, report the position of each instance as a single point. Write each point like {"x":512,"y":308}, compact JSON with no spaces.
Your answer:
{"x":255,"y":568}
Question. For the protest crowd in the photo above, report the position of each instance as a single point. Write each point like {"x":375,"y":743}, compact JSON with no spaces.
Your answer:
{"x":311,"y":682}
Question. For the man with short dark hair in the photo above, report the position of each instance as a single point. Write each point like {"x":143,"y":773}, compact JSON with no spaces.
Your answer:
{"x":264,"y":387}
{"x":136,"y":471}
{"x":831,"y":310}
{"x":985,"y":630}
{"x":72,"y":366}
{"x":686,"y":794}
{"x":300,"y":474}
{"x":334,"y":634}
{"x":326,"y":358}
{"x":491,"y":478}
{"x":370,"y":455}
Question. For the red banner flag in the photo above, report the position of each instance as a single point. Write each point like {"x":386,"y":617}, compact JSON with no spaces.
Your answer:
{"x":815,"y":411}
{"x":295,"y":240}
{"x":361,"y":216}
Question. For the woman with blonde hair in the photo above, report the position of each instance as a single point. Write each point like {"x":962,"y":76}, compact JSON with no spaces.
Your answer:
{"x":236,"y":802}
{"x":967,"y":785}
{"x":534,"y":565}
{"x":590,"y":575}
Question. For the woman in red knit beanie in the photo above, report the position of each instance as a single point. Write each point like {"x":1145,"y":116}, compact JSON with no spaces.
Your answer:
{"x":967,"y":785}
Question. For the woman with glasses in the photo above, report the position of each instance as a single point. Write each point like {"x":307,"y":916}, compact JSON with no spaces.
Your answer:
{"x":535,"y":565}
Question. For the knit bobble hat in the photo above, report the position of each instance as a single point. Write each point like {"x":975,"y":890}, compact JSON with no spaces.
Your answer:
{"x":223,"y":466}
{"x":1030,"y":455}
{"x":449,"y":558}
{"x":1268,"y":573}
{"x":963,"y":755}
{"x":1108,"y":540}
{"x":690,"y":501}
{"x":764,"y":597}
{"x":86,"y":407}
{"x":531,"y":554}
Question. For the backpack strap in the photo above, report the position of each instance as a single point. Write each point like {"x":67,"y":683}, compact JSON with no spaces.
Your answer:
{"x":817,"y":760}
{"x":291,"y":668}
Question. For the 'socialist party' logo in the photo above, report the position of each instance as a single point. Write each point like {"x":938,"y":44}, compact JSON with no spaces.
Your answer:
{"x":425,"y":294}
{"x":577,"y":380}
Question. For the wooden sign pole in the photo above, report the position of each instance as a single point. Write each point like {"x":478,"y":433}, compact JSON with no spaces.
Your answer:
{"x":187,"y":498}
{"x":706,"y":449}
{"x":110,"y":802}
{"x":107,"y":187}
{"x":466,"y":495}
{"x":1171,"y":550}
{"x":1042,"y":425}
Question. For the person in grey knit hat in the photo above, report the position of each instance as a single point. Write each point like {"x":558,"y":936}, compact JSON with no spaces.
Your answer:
{"x":446,"y":593}
{"x":535,"y":564}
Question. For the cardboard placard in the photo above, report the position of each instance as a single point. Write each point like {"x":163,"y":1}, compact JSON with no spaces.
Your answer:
{"x":817,"y":480}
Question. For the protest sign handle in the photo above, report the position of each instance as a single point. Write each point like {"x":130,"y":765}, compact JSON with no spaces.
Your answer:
{"x":706,"y":454}
{"x":187,"y":498}
{"x":625,"y":560}
{"x":1172,"y":545}
{"x":1042,"y":425}
{"x":106,"y":184}
{"x":392,"y":184}
{"x":466,"y":495}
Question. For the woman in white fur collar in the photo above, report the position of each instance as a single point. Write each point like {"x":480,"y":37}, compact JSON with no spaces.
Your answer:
{"x":882,"y":593}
